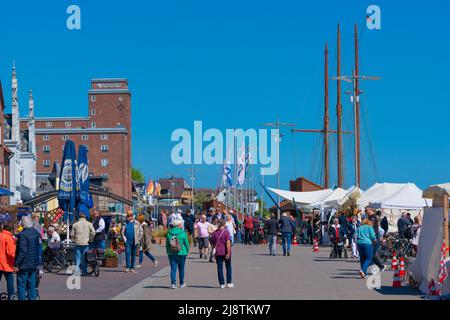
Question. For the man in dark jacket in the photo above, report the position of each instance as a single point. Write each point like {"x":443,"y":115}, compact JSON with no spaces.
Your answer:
{"x":100,"y":231}
{"x":286,"y":233}
{"x":189,"y":220}
{"x":272,"y":231}
{"x":27,"y":259}
{"x":403,"y":224}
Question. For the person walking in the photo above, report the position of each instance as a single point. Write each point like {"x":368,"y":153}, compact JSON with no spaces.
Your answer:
{"x":82,"y":234}
{"x":146,"y":242}
{"x":100,"y":232}
{"x":415,"y":233}
{"x":365,"y":239}
{"x":27,"y":260}
{"x":221,"y":244}
{"x":352,"y":229}
{"x":131,"y":235}
{"x":177,"y":248}
{"x":176,"y":215}
{"x":7,"y":255}
{"x":248,"y":229}
{"x":272,"y":230}
{"x":375,"y":225}
{"x":203,"y":236}
{"x":189,"y":220}
{"x":211,"y":228}
{"x":231,"y":227}
{"x":403,"y":224}
{"x":286,"y":233}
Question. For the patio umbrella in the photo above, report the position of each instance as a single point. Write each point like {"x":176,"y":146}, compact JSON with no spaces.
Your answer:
{"x":85,"y":202}
{"x":68,"y":183}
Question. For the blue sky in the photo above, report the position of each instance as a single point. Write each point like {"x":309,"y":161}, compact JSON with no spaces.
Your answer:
{"x":242,"y":63}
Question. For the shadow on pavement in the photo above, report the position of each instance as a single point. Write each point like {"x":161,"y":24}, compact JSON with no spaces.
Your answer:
{"x":385,"y":290}
{"x":158,"y":287}
{"x":342,"y":277}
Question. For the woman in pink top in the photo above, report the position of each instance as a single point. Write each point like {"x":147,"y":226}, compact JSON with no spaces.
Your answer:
{"x":201,"y":228}
{"x":221,"y":242}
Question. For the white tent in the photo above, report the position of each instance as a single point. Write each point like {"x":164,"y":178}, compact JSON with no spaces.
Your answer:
{"x":326,"y":198}
{"x":397,"y":196}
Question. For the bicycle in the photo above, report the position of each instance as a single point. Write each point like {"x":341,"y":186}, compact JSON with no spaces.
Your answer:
{"x":93,"y":257}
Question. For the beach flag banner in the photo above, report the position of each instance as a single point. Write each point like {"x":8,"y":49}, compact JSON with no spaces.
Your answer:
{"x":443,"y":273}
{"x":242,"y":168}
{"x":227,"y":173}
{"x":150,"y":188}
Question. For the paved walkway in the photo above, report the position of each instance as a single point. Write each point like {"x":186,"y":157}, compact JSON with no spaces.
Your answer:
{"x":304,"y":275}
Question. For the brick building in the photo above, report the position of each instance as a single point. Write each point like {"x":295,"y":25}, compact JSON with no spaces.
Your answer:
{"x":106,"y":131}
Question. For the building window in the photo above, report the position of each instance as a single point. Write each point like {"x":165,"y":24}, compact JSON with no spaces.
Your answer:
{"x":65,"y":137}
{"x":68,"y":124}
{"x":84,"y":137}
{"x":46,"y":138}
{"x":48,"y":124}
{"x":93,"y":112}
{"x":46,"y":148}
{"x":104,"y":137}
{"x":104,"y":147}
{"x":105,"y":175}
{"x":62,"y":147}
{"x":93,"y":125}
{"x":93,"y":98}
{"x":46,"y":163}
{"x":105,"y":162}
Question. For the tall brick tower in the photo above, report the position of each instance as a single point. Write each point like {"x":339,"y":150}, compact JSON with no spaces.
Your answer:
{"x":110,"y":107}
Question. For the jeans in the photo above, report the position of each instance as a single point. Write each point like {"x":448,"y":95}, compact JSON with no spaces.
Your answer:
{"x":80,"y":259}
{"x":130,"y":255}
{"x":365,"y":256}
{"x":148,"y":254}
{"x":26,"y":284}
{"x":220,"y":260}
{"x":375,"y":258}
{"x":98,"y":244}
{"x":272,"y":244}
{"x":9,"y":276}
{"x":176,"y":261}
{"x":286,"y":241}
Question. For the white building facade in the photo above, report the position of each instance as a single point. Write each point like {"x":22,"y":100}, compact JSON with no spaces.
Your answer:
{"x":22,"y":143}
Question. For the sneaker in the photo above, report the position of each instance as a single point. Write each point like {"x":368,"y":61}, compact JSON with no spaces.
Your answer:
{"x":284,"y":254}
{"x":363,"y":276}
{"x":230,"y":285}
{"x":155,"y":264}
{"x":383,"y":268}
{"x":205,"y":257}
{"x":127,"y":270}
{"x":201,"y":255}
{"x":222,"y":286}
{"x":289,"y":254}
{"x":138,"y":266}
{"x":183,"y":285}
{"x":174,"y":286}
{"x":133,"y":271}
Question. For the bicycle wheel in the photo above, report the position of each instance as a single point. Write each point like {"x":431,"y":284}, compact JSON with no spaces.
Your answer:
{"x":93,"y":269}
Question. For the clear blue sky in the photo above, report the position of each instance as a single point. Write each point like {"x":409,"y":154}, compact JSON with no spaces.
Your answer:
{"x":241,"y":63}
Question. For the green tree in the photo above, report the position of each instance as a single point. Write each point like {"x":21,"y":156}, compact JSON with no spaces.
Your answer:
{"x":137,"y":175}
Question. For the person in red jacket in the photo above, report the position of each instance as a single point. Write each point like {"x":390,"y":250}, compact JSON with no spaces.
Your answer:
{"x":248,"y":227}
{"x":7,"y":255}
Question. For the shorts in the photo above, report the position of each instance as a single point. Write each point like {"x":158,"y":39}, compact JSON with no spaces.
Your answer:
{"x":203,"y":243}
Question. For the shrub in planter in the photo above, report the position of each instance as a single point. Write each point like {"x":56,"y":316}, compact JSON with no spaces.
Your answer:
{"x":111,"y":259}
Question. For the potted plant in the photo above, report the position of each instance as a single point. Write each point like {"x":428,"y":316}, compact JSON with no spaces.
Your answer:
{"x":160,"y":235}
{"x":111,"y":259}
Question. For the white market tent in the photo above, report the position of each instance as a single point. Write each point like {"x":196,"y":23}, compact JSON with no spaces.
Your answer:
{"x":394,"y":196}
{"x":327,"y":197}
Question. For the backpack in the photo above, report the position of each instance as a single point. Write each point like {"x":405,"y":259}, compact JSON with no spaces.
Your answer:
{"x":175,"y":245}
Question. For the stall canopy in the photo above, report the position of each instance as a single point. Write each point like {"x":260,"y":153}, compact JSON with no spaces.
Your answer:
{"x":394,"y":196}
{"x":327,"y":197}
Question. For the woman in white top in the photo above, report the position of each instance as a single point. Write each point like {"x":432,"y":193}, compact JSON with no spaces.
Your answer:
{"x":415,"y":232}
{"x":230,"y":226}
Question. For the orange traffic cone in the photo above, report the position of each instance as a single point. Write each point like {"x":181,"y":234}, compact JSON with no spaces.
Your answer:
{"x":316,"y":245}
{"x":397,"y":282}
{"x":394,"y":262}
{"x":295,"y":242}
{"x":433,"y":291}
{"x":402,"y":268}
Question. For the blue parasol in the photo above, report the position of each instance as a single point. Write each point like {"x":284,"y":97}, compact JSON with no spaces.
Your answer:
{"x":68,"y":182}
{"x":85,"y":202}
